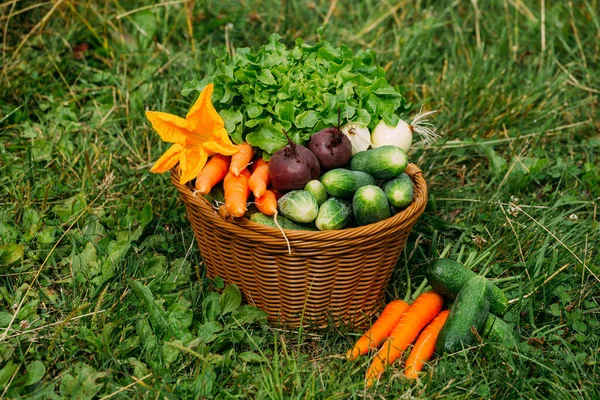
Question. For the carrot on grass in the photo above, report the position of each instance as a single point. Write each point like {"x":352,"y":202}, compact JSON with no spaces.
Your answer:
{"x":241,"y":159}
{"x":260,"y":178}
{"x":213,"y":172}
{"x":379,"y":331}
{"x":425,"y":308}
{"x":236,"y":193}
{"x":267,"y":203}
{"x":424,"y":346}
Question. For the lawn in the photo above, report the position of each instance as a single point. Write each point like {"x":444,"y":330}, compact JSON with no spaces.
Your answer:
{"x":102,"y":287}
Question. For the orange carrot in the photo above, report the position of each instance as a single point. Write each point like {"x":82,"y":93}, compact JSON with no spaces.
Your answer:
{"x":213,"y":172}
{"x":379,"y":331}
{"x":236,"y":193}
{"x":419,"y":314}
{"x":267,"y":203}
{"x":424,"y":346}
{"x":260,"y":178}
{"x":241,"y":159}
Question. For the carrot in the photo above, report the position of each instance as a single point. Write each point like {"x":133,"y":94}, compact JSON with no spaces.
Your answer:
{"x":419,"y":314}
{"x":267,"y":203}
{"x":260,"y":178}
{"x":236,"y":193}
{"x":213,"y":172}
{"x":425,"y":346}
{"x":241,"y":159}
{"x":379,"y":331}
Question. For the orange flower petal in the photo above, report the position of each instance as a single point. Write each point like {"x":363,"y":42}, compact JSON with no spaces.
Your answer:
{"x":167,"y":160}
{"x":171,"y":128}
{"x":204,"y":121}
{"x":221,"y":148}
{"x":192,"y":162}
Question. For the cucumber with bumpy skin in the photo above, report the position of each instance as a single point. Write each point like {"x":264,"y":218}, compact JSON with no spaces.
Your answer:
{"x":299,"y":206}
{"x":285,"y":223}
{"x":498,"y":331}
{"x":334,"y":214}
{"x":316,"y":188}
{"x":385,"y":162}
{"x":344,"y":183}
{"x":370,"y":205}
{"x":468,"y":313}
{"x":447,"y":277}
{"x":399,"y":191}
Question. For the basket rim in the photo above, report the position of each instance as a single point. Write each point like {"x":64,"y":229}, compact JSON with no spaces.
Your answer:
{"x":244,"y":226}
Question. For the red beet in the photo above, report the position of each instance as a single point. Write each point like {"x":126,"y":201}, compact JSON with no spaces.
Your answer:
{"x":292,"y":166}
{"x":332,"y":148}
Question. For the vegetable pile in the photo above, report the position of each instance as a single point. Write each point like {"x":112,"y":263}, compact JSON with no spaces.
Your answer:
{"x":287,"y":133}
{"x":473,"y":317}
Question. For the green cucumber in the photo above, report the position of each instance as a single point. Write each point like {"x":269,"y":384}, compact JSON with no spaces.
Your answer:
{"x":470,"y":310}
{"x":344,"y":183}
{"x":316,"y":188}
{"x":385,"y":162}
{"x":285,"y":223}
{"x":399,"y":191}
{"x":498,"y":331}
{"x":370,"y":205}
{"x":334,"y":214}
{"x":447,"y":277}
{"x":299,"y":206}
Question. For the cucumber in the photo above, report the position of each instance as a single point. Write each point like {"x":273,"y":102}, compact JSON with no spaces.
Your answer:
{"x":399,"y":191}
{"x":447,"y":277}
{"x":299,"y":206}
{"x":316,"y":188}
{"x":285,"y":223}
{"x":334,"y":214}
{"x":370,"y":205}
{"x":470,"y":310}
{"x":385,"y":162}
{"x":344,"y":183}
{"x":498,"y":331}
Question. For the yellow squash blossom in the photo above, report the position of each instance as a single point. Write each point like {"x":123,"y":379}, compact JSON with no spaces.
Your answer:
{"x":201,"y":134}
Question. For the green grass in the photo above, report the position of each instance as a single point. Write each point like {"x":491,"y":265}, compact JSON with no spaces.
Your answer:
{"x":109,"y":289}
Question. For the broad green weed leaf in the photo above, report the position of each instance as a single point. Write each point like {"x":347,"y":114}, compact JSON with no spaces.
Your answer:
{"x":81,"y":382}
{"x":248,"y":314}
{"x":6,"y":373}
{"x":210,"y":307}
{"x":10,"y":254}
{"x":156,"y":313}
{"x":230,"y":299}
{"x":251,"y":357}
{"x":208,"y":331}
{"x":35,"y":372}
{"x":146,"y":214}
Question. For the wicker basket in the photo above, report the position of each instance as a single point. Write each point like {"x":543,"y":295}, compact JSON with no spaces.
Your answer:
{"x":331,"y":277}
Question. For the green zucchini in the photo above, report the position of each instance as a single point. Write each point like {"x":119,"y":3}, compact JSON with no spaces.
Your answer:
{"x":498,"y":331}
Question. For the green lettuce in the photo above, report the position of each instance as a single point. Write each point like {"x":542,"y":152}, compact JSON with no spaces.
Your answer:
{"x":300,"y":90}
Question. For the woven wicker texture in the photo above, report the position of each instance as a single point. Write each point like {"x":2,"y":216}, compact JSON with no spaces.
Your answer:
{"x":331,"y":277}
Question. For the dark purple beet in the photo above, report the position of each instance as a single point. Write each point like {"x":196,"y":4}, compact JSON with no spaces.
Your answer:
{"x":292,"y":166}
{"x":332,"y":148}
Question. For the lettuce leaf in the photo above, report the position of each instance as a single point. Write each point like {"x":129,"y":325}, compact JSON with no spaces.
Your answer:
{"x":300,"y":90}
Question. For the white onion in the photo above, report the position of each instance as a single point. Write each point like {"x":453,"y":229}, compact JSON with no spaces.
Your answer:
{"x":359,"y":135}
{"x":402,"y":134}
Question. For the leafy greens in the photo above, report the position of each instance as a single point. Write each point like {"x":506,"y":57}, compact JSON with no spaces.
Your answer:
{"x":299,"y":90}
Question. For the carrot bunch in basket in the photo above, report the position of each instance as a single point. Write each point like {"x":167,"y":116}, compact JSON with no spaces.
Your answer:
{"x":398,"y":326}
